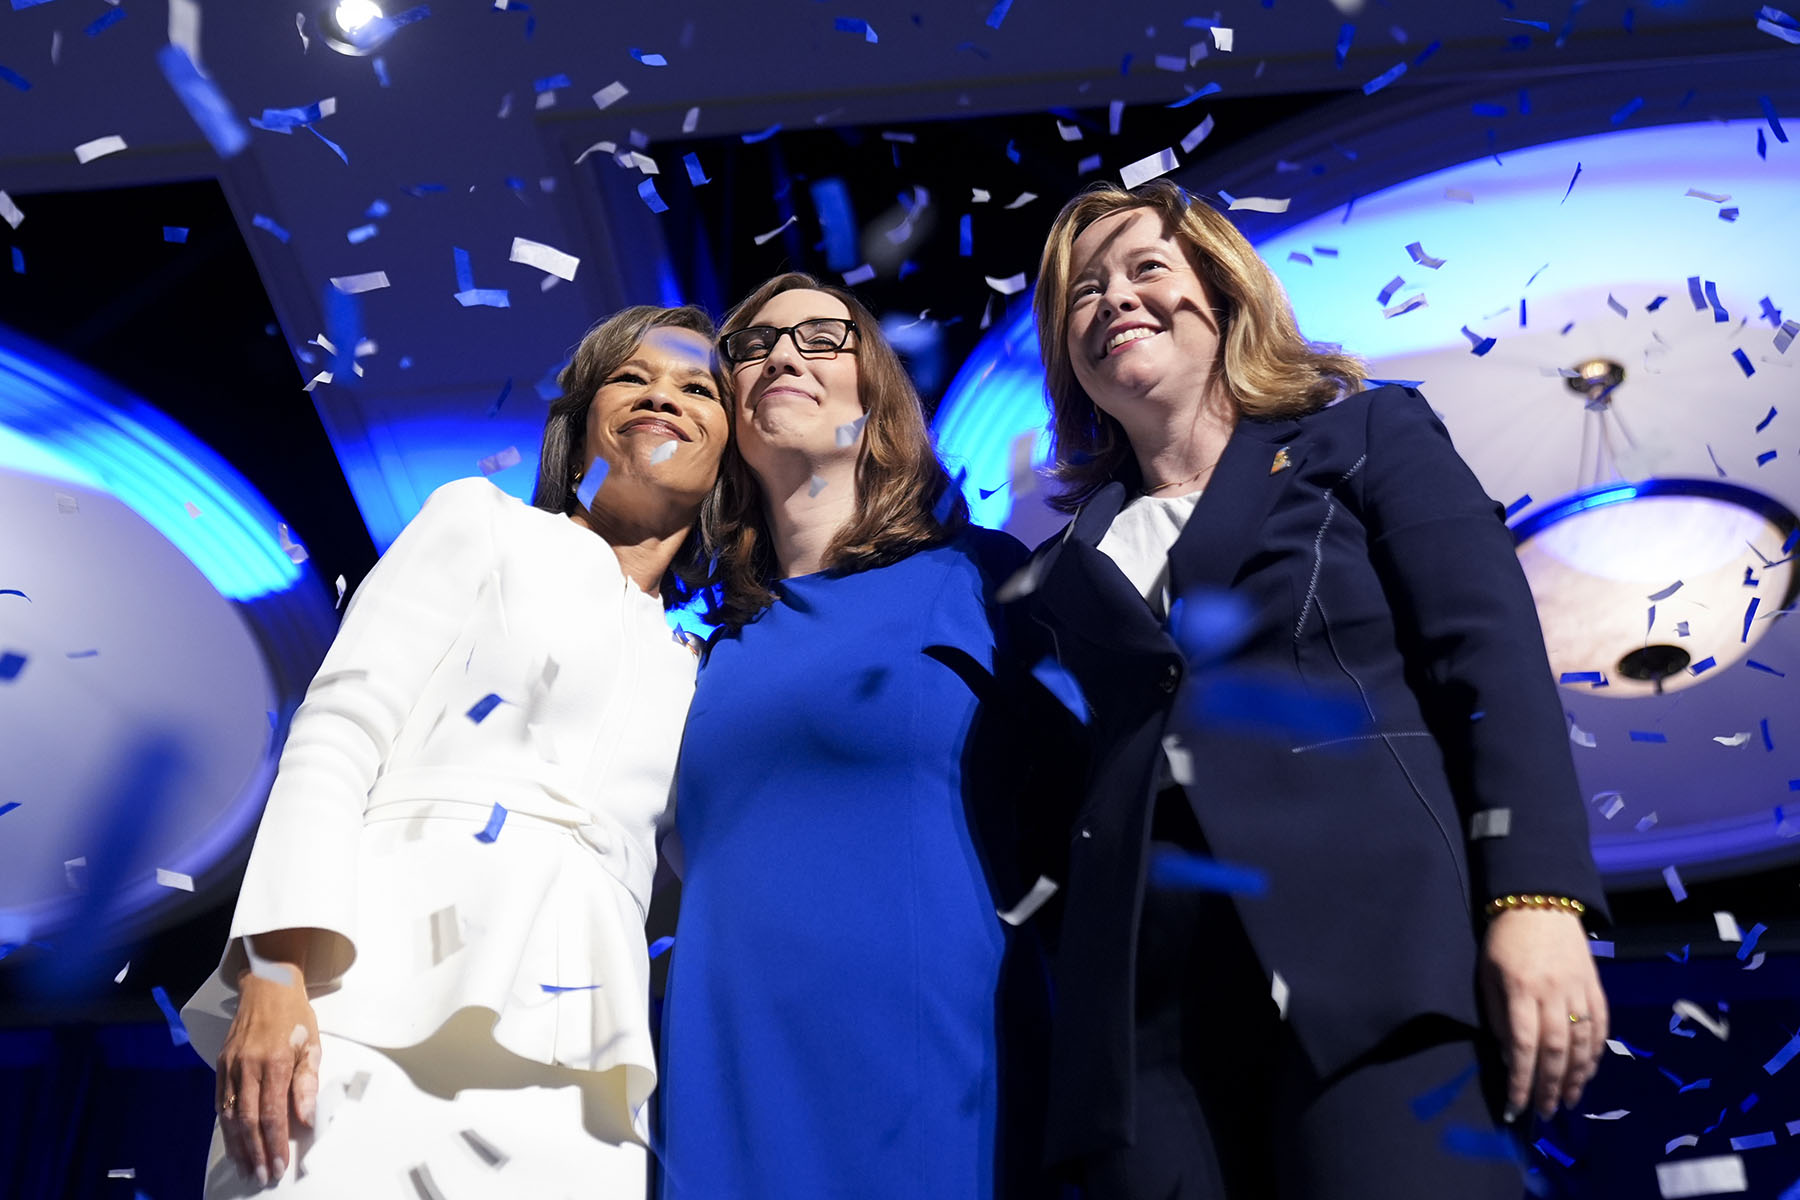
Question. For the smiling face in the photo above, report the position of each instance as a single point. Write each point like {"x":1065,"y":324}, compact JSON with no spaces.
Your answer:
{"x":658,"y":419}
{"x":1142,"y":329}
{"x":792,"y":402}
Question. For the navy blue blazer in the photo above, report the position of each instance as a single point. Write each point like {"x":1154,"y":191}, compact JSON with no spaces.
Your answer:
{"x":1374,"y":568}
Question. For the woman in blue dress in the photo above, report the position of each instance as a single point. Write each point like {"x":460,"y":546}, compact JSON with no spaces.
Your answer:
{"x":847,"y":1015}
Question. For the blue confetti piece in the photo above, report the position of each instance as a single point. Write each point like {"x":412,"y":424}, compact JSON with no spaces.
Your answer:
{"x":1438,"y":1100}
{"x":1521,"y":312}
{"x":1059,"y":683}
{"x":1491,"y":1144}
{"x":1488,"y":110}
{"x":1704,"y":665}
{"x":8,"y":807}
{"x":11,"y":663}
{"x":1640,"y":735}
{"x":1743,"y":362}
{"x":1766,"y":456}
{"x":750,"y":139}
{"x":1783,"y":1056}
{"x":361,"y":234}
{"x":1541,"y":26}
{"x":1386,"y":77}
{"x":1768,"y":109}
{"x":104,"y":22}
{"x":646,"y":191}
{"x":1764,"y":423}
{"x":998,"y":13}
{"x":1762,"y":152}
{"x":22,"y":4}
{"x":1524,"y":102}
{"x":1600,"y":949}
{"x":1387,"y":292}
{"x":1720,"y":316}
{"x":174,"y":233}
{"x":696,"y":173}
{"x":379,"y":65}
{"x":1518,"y":505}
{"x":335,"y":148}
{"x":1012,"y":151}
{"x":484,"y":298}
{"x":1594,"y":677}
{"x":268,"y":225}
{"x":1174,"y":871}
{"x":484,"y":706}
{"x":1750,"y":936}
{"x":178,"y":1033}
{"x":1211,"y":89}
{"x":1656,"y":304}
{"x":1627,"y":109}
{"x":1749,"y":616}
{"x":1543,"y":1145}
{"x":1666,"y":592}
{"x":1326,"y":251}
{"x":1765,"y":668}
{"x":496,"y":818}
{"x":1696,"y":293}
{"x":1753,"y":1141}
{"x":1209,"y":624}
{"x":1428,"y":51}
{"x":1571,"y":187}
{"x":17,"y":80}
{"x":655,"y":60}
{"x":1670,"y":954}
{"x":660,"y":946}
{"x":465,"y":274}
{"x":1296,"y":256}
{"x":550,"y":83}
{"x":1768,"y":742}
{"x":965,"y":236}
{"x":1478,"y":345}
{"x":18,"y":261}
{"x":15,"y":592}
{"x":590,"y":483}
{"x":555,"y":990}
{"x":856,"y":25}
{"x":1273,"y":707}
{"x":1125,"y":65}
{"x":1346,"y":34}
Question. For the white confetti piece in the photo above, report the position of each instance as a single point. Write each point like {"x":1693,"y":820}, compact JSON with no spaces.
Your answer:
{"x":611,"y":94}
{"x":9,"y":210}
{"x":1263,"y":204}
{"x":691,"y":121}
{"x":289,"y":546}
{"x":122,"y":1173}
{"x":174,"y":879}
{"x":1021,"y":200}
{"x":316,"y":380}
{"x":352,"y":285}
{"x":1702,"y":1177}
{"x":1728,"y":927}
{"x":1068,"y":133}
{"x":1010,"y":286}
{"x":849,"y":432}
{"x":1460,"y":195}
{"x":1180,"y":759}
{"x":1278,"y":992}
{"x":1148,"y":168}
{"x":443,"y":934}
{"x":1582,"y":737}
{"x":761,"y":238}
{"x":1718,"y":1026}
{"x":981,"y":196}
{"x":545,"y":258}
{"x":193,"y":510}
{"x":1410,"y":304}
{"x":1646,"y":822}
{"x":184,"y":27}
{"x":120,"y":977}
{"x":598,"y":148}
{"x":484,"y":1149}
{"x":420,"y":1175}
{"x":493,"y":463}
{"x":816,"y":486}
{"x":1736,"y":739}
{"x":1686,"y":1139}
{"x":87,"y":152}
{"x":263,"y":968}
{"x":1036,"y":898}
{"x":340,"y":592}
{"x":359,"y":1083}
{"x":1618,"y":1047}
{"x":1613,"y":1115}
{"x":1715,"y":197}
{"x":663,"y":453}
{"x":1670,"y":875}
{"x":1197,"y":134}
{"x":643,"y":162}
{"x":1222,"y":38}
{"x":1610,"y":804}
{"x":1490,"y":823}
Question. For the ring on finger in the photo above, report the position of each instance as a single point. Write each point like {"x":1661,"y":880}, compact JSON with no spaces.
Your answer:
{"x":1576,"y":1018}
{"x":230,"y":1105}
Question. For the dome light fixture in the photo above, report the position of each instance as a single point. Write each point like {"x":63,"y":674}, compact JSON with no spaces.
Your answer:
{"x":355,"y":27}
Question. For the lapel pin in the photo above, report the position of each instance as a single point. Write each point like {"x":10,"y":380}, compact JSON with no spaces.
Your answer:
{"x":1281,"y":462}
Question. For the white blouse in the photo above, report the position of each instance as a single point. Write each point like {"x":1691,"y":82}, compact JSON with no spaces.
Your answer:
{"x":1140,"y":538}
{"x":497,"y":654}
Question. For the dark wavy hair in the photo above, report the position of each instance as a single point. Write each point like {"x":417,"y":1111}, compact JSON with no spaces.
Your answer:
{"x":900,"y":484}
{"x":1268,"y":369}
{"x":601,"y":352}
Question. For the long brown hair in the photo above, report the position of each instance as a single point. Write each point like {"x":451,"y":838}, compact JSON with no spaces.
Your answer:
{"x":1266,"y":367}
{"x":603,"y":349}
{"x":899,"y":481}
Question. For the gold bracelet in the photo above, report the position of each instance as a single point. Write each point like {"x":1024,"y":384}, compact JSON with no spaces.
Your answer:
{"x":1563,"y":903}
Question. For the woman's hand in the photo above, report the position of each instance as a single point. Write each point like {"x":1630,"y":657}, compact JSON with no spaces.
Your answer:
{"x":1544,"y":1001}
{"x":268,"y":1070}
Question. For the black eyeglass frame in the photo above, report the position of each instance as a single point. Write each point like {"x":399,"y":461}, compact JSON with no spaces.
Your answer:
{"x":792,"y":333}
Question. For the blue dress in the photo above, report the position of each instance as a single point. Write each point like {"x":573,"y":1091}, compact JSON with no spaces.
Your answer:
{"x":835,"y":1024}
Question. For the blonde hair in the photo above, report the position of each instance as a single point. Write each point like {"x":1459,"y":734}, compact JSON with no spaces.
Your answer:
{"x":900,"y":485}
{"x":1266,"y":367}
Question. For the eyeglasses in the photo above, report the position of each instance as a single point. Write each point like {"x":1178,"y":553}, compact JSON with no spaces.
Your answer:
{"x":821,"y":335}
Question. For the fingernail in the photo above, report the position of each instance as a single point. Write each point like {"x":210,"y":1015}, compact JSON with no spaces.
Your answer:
{"x":262,"y":1175}
{"x":280,"y":1166}
{"x":1511,"y":1114}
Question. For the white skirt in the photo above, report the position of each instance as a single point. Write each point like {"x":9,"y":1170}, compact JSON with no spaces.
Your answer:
{"x":453,"y":1118}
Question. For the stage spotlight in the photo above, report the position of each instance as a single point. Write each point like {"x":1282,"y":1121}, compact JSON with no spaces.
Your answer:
{"x":355,"y":26}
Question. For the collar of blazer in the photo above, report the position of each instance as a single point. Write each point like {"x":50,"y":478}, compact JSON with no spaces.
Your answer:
{"x":1088,"y":593}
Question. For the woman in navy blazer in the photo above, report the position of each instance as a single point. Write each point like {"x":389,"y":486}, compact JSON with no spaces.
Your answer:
{"x":1322,"y":928}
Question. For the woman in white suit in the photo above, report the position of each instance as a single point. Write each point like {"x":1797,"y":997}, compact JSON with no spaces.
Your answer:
{"x":436,"y":981}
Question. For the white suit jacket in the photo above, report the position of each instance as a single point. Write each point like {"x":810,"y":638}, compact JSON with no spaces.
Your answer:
{"x":497,"y":654}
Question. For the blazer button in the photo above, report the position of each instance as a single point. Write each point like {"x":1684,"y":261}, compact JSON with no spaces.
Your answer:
{"x":1171,"y":677}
